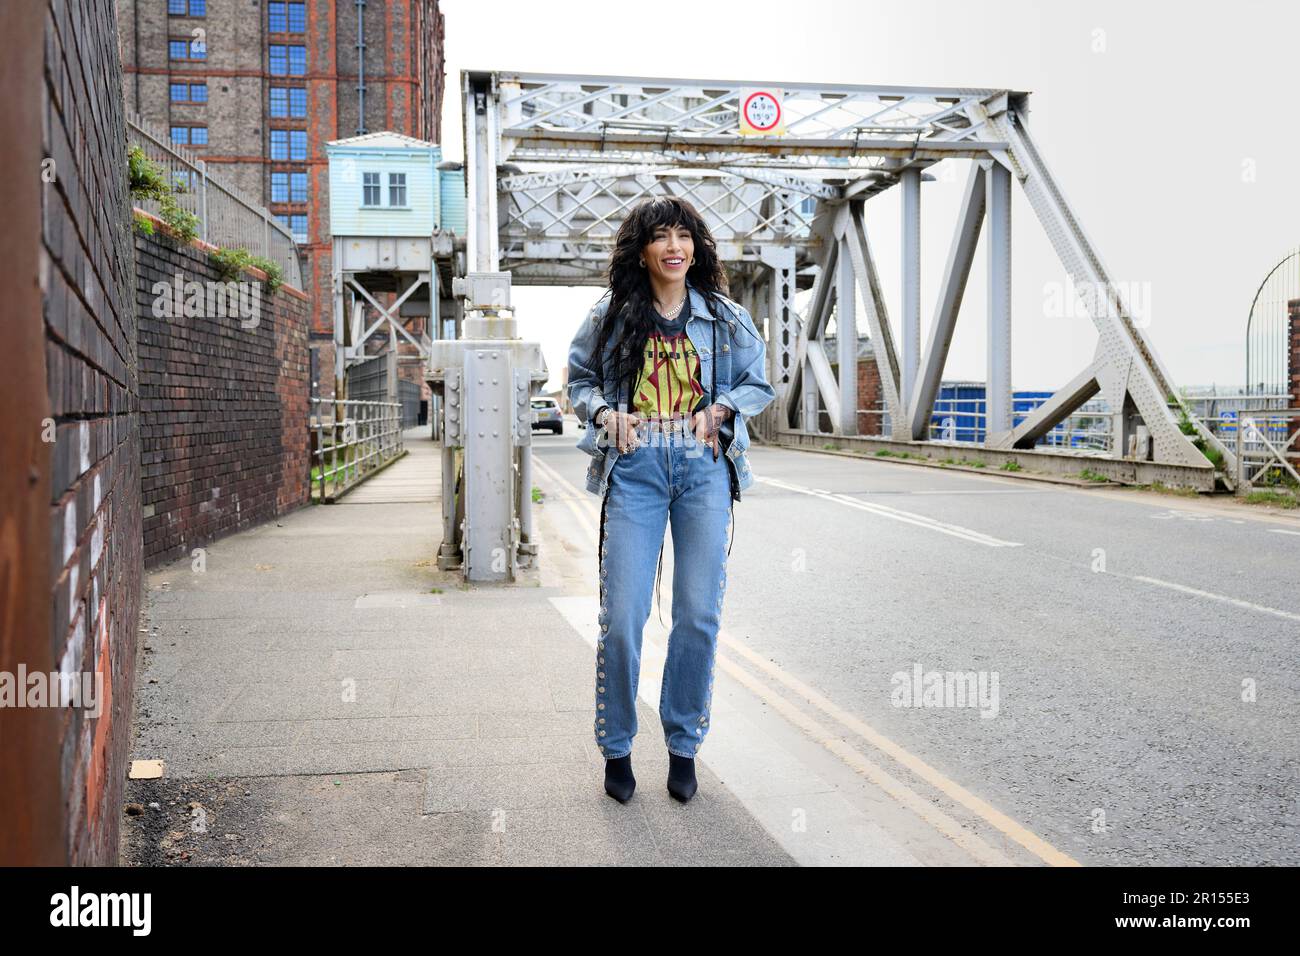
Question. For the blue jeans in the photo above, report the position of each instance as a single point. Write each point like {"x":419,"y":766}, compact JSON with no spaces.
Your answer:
{"x":669,"y":477}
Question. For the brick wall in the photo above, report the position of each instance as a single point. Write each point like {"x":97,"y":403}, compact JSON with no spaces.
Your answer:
{"x":223,"y":398}
{"x":405,"y":79}
{"x":86,"y":276}
{"x":869,"y":423}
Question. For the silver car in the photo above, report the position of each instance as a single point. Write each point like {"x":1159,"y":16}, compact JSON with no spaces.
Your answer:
{"x":547,"y":414}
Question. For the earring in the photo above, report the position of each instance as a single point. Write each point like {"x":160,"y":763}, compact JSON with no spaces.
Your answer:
{"x":692,"y":262}
{"x":642,"y":263}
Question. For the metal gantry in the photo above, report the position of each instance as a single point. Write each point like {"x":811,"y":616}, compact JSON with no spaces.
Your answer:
{"x":568,"y":156}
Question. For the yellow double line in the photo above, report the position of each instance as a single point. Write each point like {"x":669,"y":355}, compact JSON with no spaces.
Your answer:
{"x":924,"y":808}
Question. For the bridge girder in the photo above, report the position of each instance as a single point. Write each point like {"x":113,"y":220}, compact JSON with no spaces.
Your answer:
{"x":582,"y":150}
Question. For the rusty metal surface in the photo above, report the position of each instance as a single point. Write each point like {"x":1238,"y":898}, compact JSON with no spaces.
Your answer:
{"x":31,"y":805}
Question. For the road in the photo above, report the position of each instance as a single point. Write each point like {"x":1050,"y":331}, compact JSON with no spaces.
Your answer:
{"x":1137,"y":652}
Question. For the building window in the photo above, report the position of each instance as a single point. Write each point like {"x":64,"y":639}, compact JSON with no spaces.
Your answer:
{"x":298,"y":226}
{"x":397,"y":189}
{"x":370,"y":189}
{"x":187,"y":49}
{"x":287,"y":17}
{"x":190,"y":135}
{"x":189,"y":92}
{"x":288,"y":60}
{"x":289,"y":144}
{"x":288,"y":187}
{"x":187,"y":8}
{"x":185,"y":180}
{"x":288,"y":101}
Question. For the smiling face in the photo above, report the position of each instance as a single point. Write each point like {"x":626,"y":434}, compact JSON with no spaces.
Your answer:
{"x":668,"y":254}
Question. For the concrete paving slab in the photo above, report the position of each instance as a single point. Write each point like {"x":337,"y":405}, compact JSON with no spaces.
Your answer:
{"x":334,"y":699}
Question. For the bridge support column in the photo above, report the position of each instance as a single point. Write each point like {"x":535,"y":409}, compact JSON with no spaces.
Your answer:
{"x":997,"y":394}
{"x":782,"y":326}
{"x":911,"y":182}
{"x":846,"y":341}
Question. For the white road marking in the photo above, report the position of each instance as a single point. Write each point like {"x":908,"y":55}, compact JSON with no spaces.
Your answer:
{"x":1289,"y":615}
{"x":974,"y":491}
{"x":851,"y":756}
{"x":1283,"y":531}
{"x":896,"y":514}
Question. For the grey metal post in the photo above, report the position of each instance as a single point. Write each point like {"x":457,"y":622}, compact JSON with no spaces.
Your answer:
{"x":480,"y":111}
{"x":338,"y":322}
{"x":911,"y":305}
{"x":203,"y":197}
{"x":997,"y":394}
{"x":846,"y":339}
{"x":489,"y":464}
{"x":782,"y":330}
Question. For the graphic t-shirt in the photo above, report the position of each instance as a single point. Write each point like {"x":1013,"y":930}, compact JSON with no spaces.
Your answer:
{"x":669,"y":385}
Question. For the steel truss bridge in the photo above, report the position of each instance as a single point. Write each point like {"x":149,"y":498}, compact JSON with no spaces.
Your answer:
{"x":555,"y":162}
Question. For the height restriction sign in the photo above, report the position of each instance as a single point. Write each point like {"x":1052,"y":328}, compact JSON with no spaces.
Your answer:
{"x":761,"y":113}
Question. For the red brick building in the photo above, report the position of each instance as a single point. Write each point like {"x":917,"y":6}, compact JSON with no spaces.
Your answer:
{"x":257,"y":90}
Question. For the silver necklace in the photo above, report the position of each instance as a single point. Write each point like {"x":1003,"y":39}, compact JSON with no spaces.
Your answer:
{"x":672,"y":313}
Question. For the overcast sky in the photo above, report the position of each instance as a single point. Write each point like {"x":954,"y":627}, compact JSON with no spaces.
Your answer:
{"x":1171,"y":127}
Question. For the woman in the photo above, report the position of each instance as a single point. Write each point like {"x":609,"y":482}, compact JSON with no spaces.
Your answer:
{"x":683,"y":367}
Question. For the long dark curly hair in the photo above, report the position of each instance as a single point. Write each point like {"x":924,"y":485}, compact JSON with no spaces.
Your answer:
{"x":631,"y":296}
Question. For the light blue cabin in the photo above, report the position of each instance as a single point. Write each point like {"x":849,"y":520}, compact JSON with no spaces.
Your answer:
{"x":387,"y":184}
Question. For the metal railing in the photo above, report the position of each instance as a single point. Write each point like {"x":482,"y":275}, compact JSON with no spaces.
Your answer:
{"x":1267,"y":454}
{"x":226,"y":219}
{"x":1089,"y":429}
{"x":352,"y":440}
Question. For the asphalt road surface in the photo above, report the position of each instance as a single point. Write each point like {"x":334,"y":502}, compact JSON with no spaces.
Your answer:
{"x":1137,"y":653}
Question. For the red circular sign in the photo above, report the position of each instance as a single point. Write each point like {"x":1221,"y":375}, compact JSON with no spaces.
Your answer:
{"x":763,"y":114}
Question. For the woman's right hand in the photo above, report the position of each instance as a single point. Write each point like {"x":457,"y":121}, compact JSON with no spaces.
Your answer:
{"x":622,"y":427}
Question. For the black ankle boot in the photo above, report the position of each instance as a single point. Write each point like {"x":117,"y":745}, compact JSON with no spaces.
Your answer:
{"x":681,"y":777}
{"x":619,"y":782}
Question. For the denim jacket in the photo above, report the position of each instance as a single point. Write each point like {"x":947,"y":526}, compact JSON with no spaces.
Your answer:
{"x":741,"y":383}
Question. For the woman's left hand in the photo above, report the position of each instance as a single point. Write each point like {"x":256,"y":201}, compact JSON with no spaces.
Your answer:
{"x":706,"y":424}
